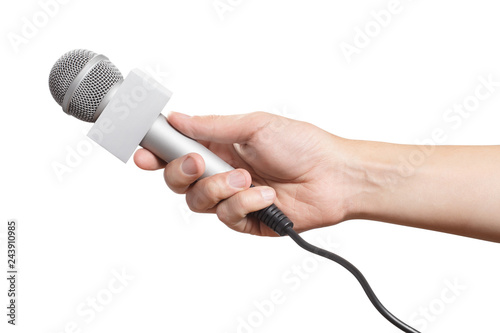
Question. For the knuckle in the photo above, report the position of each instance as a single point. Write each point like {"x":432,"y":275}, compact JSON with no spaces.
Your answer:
{"x":193,"y":202}
{"x":260,"y":114}
{"x":173,"y":179}
{"x":240,"y":202}
{"x":212,"y":117}
{"x":233,"y":209}
{"x":212,"y":190}
{"x":211,"y":120}
{"x":222,"y":214}
{"x":176,"y":188}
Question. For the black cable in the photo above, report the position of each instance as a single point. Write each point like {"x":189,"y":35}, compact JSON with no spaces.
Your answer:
{"x":357,"y":274}
{"x":275,"y":219}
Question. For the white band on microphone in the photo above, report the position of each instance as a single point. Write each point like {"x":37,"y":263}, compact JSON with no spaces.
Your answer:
{"x":129,"y":114}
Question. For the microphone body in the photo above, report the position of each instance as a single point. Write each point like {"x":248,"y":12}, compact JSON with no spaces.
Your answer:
{"x":127,"y":113}
{"x":168,"y":144}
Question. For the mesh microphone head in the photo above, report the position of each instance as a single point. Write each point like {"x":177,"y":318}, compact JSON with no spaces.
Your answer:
{"x":80,"y":80}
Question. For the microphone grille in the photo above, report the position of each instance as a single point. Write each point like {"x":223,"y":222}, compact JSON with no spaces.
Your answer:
{"x":92,"y":88}
{"x":65,"y":71}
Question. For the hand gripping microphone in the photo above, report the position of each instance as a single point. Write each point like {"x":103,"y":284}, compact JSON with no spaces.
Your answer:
{"x":127,"y":113}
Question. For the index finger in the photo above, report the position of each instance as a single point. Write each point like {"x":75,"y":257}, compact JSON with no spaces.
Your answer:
{"x":146,"y":160}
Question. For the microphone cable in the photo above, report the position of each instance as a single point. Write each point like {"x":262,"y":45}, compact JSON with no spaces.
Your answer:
{"x":357,"y":274}
{"x":274,"y":218}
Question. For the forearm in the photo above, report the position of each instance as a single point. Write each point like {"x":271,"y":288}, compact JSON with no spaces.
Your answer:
{"x":454,"y":189}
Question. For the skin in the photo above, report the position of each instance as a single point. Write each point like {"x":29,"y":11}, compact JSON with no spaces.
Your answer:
{"x":319,"y":179}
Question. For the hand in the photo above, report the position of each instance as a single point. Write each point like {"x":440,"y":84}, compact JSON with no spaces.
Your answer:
{"x":318,"y":179}
{"x":294,"y":164}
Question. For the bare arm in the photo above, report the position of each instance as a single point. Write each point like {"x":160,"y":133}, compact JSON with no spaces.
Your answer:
{"x":454,"y":189}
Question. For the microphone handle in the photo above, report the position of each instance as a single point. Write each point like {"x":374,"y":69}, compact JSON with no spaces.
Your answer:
{"x":168,"y":144}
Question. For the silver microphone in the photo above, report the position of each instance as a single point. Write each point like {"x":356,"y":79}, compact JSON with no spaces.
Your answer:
{"x":126,"y":112}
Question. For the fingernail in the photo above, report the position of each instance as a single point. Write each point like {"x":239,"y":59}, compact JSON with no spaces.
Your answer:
{"x":189,"y":166}
{"x":237,"y":179}
{"x":180,"y":115}
{"x":267,"y":194}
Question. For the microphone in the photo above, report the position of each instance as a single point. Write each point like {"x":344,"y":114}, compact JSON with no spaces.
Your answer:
{"x":127,"y":113}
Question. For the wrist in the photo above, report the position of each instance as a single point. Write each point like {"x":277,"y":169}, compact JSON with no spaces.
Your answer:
{"x":372,"y":172}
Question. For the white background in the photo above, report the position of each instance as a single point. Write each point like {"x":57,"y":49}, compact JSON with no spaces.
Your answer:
{"x":190,"y":272}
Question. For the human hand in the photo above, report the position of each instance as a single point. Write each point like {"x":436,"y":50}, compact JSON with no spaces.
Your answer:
{"x":294,"y":164}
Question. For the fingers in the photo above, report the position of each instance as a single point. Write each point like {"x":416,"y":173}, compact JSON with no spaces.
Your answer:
{"x":183,"y":171}
{"x":221,"y":129}
{"x":227,"y":194}
{"x":233,"y":210}
{"x":208,"y":192}
{"x":146,"y":160}
{"x":230,"y":196}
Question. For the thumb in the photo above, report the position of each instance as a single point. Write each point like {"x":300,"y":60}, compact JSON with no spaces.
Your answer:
{"x":221,"y":129}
